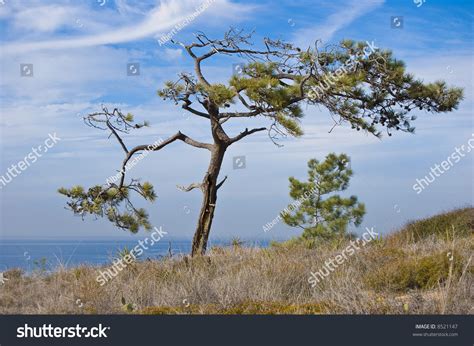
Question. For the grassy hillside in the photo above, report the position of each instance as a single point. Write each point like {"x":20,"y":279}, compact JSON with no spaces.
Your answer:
{"x":424,"y":268}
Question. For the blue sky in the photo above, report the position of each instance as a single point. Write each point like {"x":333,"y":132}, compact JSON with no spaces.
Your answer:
{"x":80,"y":50}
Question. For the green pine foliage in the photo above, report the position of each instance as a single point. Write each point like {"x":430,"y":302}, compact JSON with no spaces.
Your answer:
{"x":317,"y":210}
{"x":111,"y":202}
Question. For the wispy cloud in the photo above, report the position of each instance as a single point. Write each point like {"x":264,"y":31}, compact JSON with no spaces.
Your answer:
{"x":160,"y":19}
{"x":342,"y":18}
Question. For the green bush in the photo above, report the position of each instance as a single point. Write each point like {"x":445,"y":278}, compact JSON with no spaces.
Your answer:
{"x":402,"y":272}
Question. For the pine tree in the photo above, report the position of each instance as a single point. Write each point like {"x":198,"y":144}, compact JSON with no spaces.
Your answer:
{"x":320,"y":212}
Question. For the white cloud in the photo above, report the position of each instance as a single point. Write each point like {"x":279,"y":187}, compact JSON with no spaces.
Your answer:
{"x":44,"y":18}
{"x":170,"y":54}
{"x":125,"y":9}
{"x":335,"y":22}
{"x":160,"y":19}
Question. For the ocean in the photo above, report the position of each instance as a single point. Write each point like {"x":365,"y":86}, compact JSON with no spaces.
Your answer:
{"x":48,"y":255}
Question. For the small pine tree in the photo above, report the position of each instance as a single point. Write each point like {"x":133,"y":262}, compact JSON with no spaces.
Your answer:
{"x":319,"y":217}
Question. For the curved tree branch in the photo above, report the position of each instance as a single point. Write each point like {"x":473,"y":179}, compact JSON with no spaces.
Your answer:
{"x":194,"y":111}
{"x":190,"y":187}
{"x":245,"y":133}
{"x":119,"y":139}
{"x":178,"y":136}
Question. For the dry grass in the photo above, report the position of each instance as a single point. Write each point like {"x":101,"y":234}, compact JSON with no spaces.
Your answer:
{"x":409,"y":272}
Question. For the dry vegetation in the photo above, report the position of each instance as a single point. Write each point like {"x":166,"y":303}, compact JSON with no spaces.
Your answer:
{"x":409,"y":272}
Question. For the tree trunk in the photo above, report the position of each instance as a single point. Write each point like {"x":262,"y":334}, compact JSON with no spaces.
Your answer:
{"x":209,"y":189}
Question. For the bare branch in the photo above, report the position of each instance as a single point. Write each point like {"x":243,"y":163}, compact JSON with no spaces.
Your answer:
{"x":178,"y":136}
{"x":112,"y":129}
{"x":241,"y":114}
{"x":244,"y":134}
{"x":275,"y":133}
{"x":221,"y":183}
{"x":196,"y":112}
{"x":190,"y":187}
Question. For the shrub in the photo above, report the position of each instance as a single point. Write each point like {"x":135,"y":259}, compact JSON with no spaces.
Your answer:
{"x":400,"y":272}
